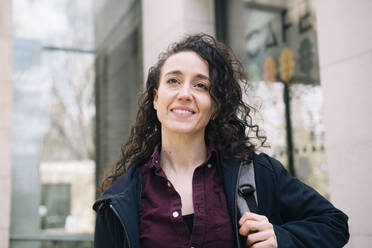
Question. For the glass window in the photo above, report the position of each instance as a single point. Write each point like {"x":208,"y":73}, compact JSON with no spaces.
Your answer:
{"x":276,"y":40}
{"x":53,"y":170}
{"x":308,"y":135}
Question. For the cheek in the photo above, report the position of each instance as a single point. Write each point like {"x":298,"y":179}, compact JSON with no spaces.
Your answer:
{"x":209,"y":109}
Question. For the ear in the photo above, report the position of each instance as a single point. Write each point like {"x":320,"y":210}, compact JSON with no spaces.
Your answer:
{"x":155,"y":102}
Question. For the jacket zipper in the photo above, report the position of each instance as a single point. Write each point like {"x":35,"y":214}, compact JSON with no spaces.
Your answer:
{"x":121,"y":221}
{"x":235,"y":207}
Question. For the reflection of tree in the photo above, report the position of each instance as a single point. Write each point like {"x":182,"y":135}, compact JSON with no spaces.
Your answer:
{"x":70,"y":134}
{"x":79,"y":16}
{"x":71,"y":112}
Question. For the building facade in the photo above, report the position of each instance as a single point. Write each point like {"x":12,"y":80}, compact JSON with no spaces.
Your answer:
{"x":309,"y":63}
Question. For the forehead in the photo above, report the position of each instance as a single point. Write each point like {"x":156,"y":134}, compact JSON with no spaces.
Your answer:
{"x":186,"y":62}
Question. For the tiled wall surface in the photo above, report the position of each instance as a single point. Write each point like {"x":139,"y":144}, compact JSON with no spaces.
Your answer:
{"x":345,"y":50}
{"x":6,"y":62}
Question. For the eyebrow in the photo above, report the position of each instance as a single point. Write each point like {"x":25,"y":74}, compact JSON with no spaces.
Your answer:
{"x":177,"y":72}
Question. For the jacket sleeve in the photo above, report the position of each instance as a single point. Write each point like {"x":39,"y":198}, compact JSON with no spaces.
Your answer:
{"x":108,"y":231}
{"x":309,"y":220}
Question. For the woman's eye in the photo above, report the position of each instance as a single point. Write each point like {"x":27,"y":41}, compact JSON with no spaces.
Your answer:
{"x":202,"y":86}
{"x":172,"y":81}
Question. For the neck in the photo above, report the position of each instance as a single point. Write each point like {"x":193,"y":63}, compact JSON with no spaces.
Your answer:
{"x":181,"y":152}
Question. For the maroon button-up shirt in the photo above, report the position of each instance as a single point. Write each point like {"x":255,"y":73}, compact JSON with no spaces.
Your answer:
{"x":161,"y":222}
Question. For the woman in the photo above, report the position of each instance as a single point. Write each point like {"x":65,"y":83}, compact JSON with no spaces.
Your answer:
{"x":178,"y":182}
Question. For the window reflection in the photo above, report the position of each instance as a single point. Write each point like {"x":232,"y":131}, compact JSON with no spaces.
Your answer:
{"x":277,"y":42}
{"x":308,"y":135}
{"x":267,"y":98}
{"x":53,"y":170}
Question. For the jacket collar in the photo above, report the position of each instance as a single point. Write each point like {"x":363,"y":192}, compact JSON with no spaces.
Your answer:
{"x":124,"y":196}
{"x":118,"y":187}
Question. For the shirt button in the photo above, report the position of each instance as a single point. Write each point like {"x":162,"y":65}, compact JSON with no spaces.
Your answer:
{"x":169,"y":184}
{"x":175,"y":214}
{"x":209,"y":165}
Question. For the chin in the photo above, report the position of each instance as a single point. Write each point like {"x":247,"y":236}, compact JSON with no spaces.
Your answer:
{"x":183,"y":129}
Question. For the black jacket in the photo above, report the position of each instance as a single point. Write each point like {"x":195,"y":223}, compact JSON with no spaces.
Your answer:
{"x":301,"y":217}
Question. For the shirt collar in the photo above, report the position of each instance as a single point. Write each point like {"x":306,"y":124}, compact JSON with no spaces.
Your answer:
{"x":154,"y":161}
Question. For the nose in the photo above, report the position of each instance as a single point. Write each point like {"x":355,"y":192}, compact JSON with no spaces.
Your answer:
{"x":185,"y":92}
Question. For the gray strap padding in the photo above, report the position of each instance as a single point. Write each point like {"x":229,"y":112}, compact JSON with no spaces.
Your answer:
{"x":246,"y":176}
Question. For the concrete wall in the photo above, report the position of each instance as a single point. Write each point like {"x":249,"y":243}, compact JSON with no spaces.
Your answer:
{"x":345,"y":49}
{"x":6,"y":65}
{"x":166,"y":21}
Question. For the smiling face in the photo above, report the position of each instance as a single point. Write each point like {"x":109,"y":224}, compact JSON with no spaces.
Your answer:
{"x":182,"y":100}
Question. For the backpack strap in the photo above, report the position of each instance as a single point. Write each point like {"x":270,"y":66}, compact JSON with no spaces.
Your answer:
{"x":246,"y":195}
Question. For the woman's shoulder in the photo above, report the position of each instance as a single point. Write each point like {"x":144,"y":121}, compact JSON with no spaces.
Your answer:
{"x":131,"y":175}
{"x":264,"y":161}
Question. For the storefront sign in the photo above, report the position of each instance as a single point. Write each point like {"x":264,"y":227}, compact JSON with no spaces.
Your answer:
{"x":282,"y":45}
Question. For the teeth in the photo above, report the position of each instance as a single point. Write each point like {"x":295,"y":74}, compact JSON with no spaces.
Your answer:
{"x":181,"y":111}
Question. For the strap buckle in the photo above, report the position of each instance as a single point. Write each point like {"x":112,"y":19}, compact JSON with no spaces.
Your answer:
{"x":246,"y":190}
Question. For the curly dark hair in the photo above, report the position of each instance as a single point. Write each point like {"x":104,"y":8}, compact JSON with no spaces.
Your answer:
{"x":230,"y":126}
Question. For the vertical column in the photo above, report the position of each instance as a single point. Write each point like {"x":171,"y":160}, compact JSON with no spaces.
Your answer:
{"x":345,"y":50}
{"x":165,"y":21}
{"x":6,"y":65}
{"x":118,"y":80}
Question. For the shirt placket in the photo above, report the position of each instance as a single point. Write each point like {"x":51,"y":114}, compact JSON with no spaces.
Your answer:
{"x":198,"y":230}
{"x":175,"y":207}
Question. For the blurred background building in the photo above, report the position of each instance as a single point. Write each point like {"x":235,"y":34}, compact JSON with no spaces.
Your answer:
{"x":72,"y":71}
